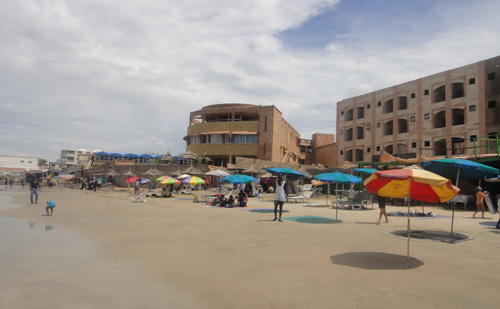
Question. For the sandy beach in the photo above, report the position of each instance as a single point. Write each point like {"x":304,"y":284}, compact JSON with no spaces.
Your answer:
{"x":99,"y":250}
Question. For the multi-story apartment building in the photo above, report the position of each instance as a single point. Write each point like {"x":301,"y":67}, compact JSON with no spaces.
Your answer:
{"x":71,"y":157}
{"x":444,"y":114}
{"x":224,"y":131}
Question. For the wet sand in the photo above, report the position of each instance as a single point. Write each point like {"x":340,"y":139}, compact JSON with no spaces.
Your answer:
{"x":179,"y":254}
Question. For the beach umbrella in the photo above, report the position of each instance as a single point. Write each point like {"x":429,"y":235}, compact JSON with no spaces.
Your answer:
{"x":218,"y":173}
{"x":412,"y":183}
{"x":152,"y":172}
{"x":167,"y":157}
{"x":144,"y":181}
{"x":113,"y":173}
{"x":494,"y":179}
{"x":460,"y":169}
{"x":368,"y":171}
{"x":254,"y":169}
{"x":129,"y":173}
{"x":165,"y":180}
{"x":285,"y":171}
{"x":183,"y":176}
{"x":336,"y":178}
{"x":193,"y":171}
{"x":132,"y":179}
{"x":239,"y":179}
{"x":194,"y":181}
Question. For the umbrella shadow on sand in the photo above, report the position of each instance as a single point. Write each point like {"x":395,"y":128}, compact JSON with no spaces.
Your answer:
{"x":375,"y":261}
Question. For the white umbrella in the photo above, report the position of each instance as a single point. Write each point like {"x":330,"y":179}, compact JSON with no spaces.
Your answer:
{"x":218,"y":173}
{"x":183,"y":176}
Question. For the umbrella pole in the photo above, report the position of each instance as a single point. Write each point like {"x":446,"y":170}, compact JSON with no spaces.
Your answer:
{"x":453,"y":205}
{"x":408,"y":230}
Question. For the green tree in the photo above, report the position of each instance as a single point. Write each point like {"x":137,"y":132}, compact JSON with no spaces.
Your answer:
{"x":203,"y":159}
{"x":42,"y":162}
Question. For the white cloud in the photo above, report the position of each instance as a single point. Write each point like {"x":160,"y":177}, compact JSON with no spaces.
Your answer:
{"x":124,"y":75}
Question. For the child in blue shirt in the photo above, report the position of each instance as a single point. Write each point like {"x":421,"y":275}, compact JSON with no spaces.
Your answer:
{"x":50,"y":206}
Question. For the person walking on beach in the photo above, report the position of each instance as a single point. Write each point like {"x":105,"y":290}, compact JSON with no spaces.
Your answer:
{"x":382,"y":201}
{"x":480,"y":201}
{"x":34,"y":187}
{"x":279,"y":197}
{"x":50,"y":206}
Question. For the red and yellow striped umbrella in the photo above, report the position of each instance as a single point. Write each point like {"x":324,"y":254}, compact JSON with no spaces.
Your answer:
{"x":419,"y":184}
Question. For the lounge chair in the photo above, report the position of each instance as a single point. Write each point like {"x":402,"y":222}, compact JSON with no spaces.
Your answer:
{"x":305,"y":188}
{"x":304,"y":197}
{"x":139,"y":198}
{"x":358,"y":202}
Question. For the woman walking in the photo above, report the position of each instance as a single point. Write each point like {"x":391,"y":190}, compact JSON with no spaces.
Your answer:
{"x":279,"y":197}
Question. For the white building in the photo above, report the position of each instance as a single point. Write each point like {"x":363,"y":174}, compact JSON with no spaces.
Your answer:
{"x":70,"y":157}
{"x":19,"y":163}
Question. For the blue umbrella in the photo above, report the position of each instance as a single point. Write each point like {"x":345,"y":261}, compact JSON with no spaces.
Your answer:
{"x":285,"y":171}
{"x":336,"y":178}
{"x":144,"y":181}
{"x":365,"y":170}
{"x":459,"y":168}
{"x":467,"y":170}
{"x":239,"y":179}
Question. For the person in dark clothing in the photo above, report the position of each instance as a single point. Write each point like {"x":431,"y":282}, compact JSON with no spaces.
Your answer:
{"x":382,"y":201}
{"x":34,"y":187}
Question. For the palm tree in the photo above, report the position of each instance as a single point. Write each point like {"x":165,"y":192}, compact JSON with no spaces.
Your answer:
{"x":203,"y":159}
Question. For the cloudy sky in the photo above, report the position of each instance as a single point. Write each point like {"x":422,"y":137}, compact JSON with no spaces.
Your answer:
{"x":123,"y":75}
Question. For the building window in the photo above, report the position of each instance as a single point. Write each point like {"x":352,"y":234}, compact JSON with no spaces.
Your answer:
{"x":22,"y":161}
{"x":378,"y":124}
{"x":245,"y":138}
{"x":413,"y":144}
{"x":368,"y":106}
{"x":472,"y":81}
{"x":472,"y":108}
{"x":492,"y":135}
{"x":212,"y":139}
{"x":440,"y":119}
{"x":491,"y":76}
{"x":439,"y":94}
{"x":368,"y":126}
{"x":388,"y":128}
{"x":457,"y":90}
{"x":368,"y":149}
{"x":348,"y":135}
{"x":427,"y":116}
{"x":426,"y":92}
{"x":472,"y":138}
{"x":360,"y":111}
{"x":412,"y":95}
{"x":458,"y":116}
{"x":402,"y":103}
{"x":379,"y":103}
{"x":341,"y":131}
{"x":427,"y":143}
{"x":341,"y":152}
{"x":341,"y":113}
{"x":265,"y":124}
{"x":193,"y":140}
{"x":492,"y":104}
{"x":412,"y":118}
{"x":378,"y":148}
{"x":29,"y":161}
{"x":388,"y":106}
{"x":349,"y":114}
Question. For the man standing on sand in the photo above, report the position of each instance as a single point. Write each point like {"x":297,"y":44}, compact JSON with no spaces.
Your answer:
{"x":34,"y":187}
{"x":279,"y":198}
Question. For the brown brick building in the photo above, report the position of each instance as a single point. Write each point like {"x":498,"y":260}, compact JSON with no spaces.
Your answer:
{"x":224,"y":131}
{"x":448,"y":113}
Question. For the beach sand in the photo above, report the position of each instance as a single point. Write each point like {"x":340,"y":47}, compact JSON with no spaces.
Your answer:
{"x":170,"y":253}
